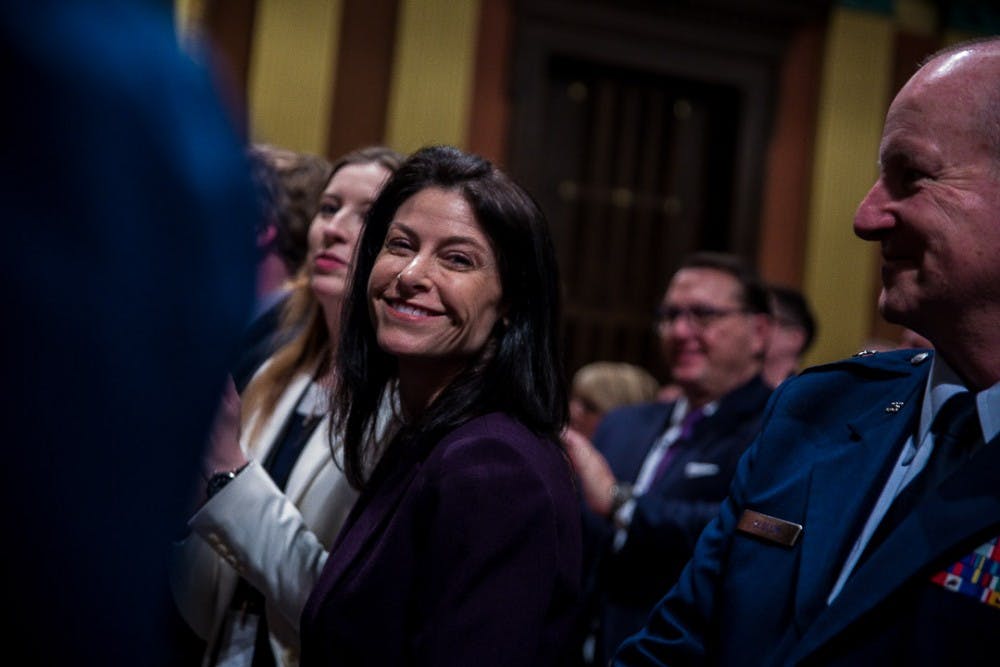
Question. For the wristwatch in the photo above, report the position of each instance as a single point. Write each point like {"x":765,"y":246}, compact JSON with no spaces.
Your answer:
{"x":620,"y":494}
{"x":219,"y":480}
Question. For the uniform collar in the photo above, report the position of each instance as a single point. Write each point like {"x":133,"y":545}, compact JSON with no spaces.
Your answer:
{"x":943,"y":383}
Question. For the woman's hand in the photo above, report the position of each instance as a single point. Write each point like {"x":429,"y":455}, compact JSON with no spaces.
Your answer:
{"x":224,"y":451}
{"x":596,"y":478}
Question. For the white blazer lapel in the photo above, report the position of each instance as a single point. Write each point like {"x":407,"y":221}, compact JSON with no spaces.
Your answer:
{"x":272,"y":427}
{"x":314,"y":457}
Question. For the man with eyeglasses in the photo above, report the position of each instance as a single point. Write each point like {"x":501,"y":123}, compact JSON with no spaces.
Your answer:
{"x":656,"y":472}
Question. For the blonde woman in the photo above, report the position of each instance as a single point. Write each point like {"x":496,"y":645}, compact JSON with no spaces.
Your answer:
{"x":275,"y":498}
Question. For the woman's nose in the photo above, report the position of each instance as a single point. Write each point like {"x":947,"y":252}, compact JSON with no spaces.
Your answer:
{"x":333,"y":227}
{"x":414,"y":274}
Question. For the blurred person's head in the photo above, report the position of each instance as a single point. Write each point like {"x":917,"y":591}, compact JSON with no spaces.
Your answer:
{"x":272,"y":200}
{"x":271,"y":194}
{"x":601,"y":386}
{"x":791,"y":336}
{"x":714,"y":324}
{"x":302,"y":177}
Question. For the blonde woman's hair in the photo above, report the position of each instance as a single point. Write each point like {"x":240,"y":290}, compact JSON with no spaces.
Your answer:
{"x":610,"y":384}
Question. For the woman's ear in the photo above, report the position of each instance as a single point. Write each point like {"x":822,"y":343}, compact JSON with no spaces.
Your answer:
{"x":503,"y":322}
{"x":500,"y":326}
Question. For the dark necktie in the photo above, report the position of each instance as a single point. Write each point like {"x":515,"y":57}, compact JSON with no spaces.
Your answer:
{"x":687,"y":428}
{"x":957,"y":435}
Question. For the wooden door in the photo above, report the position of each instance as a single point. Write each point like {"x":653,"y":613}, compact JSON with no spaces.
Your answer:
{"x":642,"y":134}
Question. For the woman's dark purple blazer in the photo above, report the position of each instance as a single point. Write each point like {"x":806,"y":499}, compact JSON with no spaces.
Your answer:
{"x":461,"y":552}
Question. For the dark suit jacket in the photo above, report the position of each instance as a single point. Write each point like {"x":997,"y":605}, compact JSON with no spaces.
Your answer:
{"x":625,"y":585}
{"x":829,"y":438}
{"x":461,"y":552}
{"x":126,"y":278}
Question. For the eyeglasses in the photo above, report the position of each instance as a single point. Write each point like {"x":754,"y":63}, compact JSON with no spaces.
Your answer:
{"x":698,"y":317}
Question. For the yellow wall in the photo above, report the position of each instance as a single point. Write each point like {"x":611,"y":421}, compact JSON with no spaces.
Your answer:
{"x":919,"y":17}
{"x":291,"y":72}
{"x":186,"y":14}
{"x":840,"y":268}
{"x":431,"y":84}
{"x":294,"y":63}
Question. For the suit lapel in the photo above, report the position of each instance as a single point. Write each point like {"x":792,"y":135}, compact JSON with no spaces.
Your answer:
{"x":324,"y":449}
{"x":261,"y":446}
{"x":868,"y":446}
{"x":628,"y":458}
{"x":718,"y":431}
{"x":964,"y":511}
{"x":373,"y":509}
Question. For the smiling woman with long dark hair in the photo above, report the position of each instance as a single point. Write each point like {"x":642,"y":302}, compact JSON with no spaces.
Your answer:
{"x":464,"y":546}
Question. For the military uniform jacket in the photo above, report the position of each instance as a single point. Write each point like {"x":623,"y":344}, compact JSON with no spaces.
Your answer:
{"x":828,"y":440}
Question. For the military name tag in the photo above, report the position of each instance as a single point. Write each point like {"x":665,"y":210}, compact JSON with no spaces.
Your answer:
{"x":769,"y":528}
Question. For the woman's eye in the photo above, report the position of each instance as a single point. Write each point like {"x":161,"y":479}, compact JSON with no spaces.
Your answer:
{"x":459,"y":260}
{"x":397,"y":243}
{"x":328,"y":209}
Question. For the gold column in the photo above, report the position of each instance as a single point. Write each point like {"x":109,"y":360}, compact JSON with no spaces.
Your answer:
{"x":431,"y":86}
{"x":187,"y":14}
{"x":291,"y":72}
{"x":840,"y":269}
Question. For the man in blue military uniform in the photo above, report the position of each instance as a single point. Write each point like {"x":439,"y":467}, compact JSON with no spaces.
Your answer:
{"x":861,"y":527}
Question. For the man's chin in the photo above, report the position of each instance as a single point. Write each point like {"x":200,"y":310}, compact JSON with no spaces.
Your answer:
{"x":893,"y":309}
{"x":686,"y":381}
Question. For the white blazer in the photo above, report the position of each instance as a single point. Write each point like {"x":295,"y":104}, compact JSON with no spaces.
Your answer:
{"x":278,"y":542}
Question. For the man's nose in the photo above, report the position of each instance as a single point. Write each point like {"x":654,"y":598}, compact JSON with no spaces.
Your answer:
{"x":873,"y":216}
{"x":681,"y":325}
